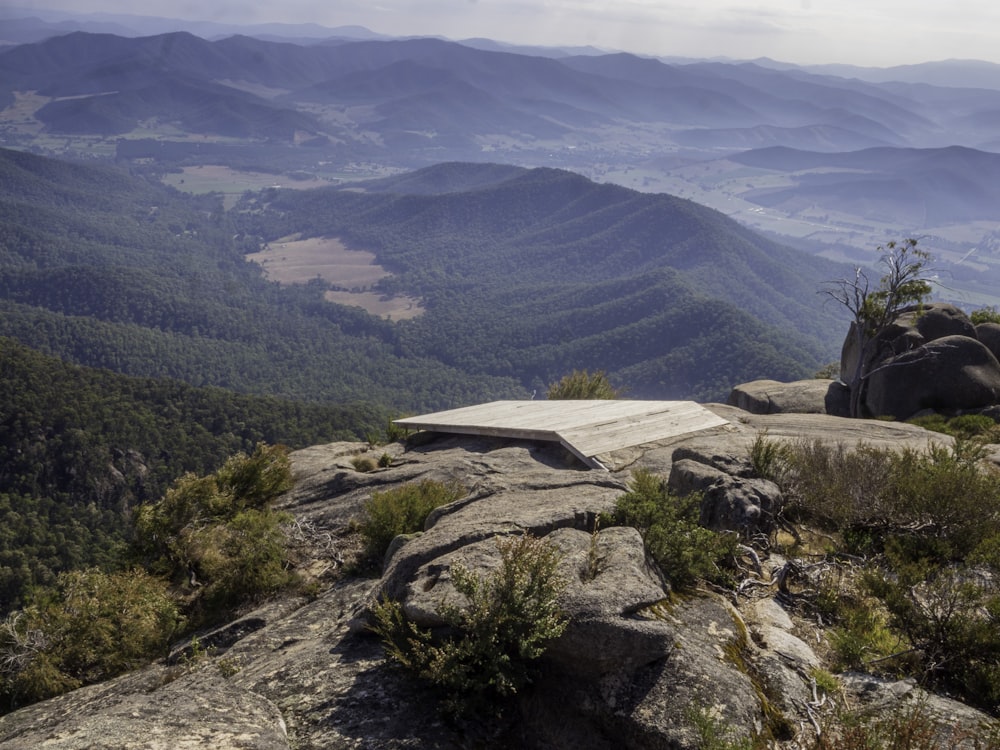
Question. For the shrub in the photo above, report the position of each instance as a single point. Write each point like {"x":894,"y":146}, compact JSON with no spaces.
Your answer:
{"x":364,"y":464}
{"x":836,"y":487}
{"x":985,"y":315}
{"x":684,"y":551}
{"x":510,"y":617}
{"x":581,"y":384}
{"x":217,"y":533}
{"x":948,"y":619}
{"x":974,"y":427}
{"x":254,"y":481}
{"x":402,"y":510}
{"x":908,"y":727}
{"x":88,"y":627}
{"x":940,"y":495}
{"x":767,"y":457}
{"x":861,"y":636}
{"x":927,"y":599}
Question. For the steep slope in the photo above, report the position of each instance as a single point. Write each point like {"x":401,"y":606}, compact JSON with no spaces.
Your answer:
{"x":545,"y":271}
{"x":112,"y":271}
{"x":80,"y":448}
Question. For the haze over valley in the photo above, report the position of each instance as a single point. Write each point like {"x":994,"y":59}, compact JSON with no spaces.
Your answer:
{"x":833,"y":160}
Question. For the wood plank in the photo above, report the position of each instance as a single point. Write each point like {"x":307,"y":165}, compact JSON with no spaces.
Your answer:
{"x":586,"y":428}
{"x":627,"y":434}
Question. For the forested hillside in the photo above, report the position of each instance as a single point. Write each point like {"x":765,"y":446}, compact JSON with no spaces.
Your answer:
{"x":525,"y":275}
{"x":532,"y":274}
{"x":80,"y":448}
{"x":109,"y":270}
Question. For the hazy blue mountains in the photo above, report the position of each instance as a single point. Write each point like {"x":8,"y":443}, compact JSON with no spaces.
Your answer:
{"x":426,"y":100}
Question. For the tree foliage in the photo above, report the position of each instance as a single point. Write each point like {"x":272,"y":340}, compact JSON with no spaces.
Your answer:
{"x":685,"y":551}
{"x":401,"y":510}
{"x":89,"y":627}
{"x":81,"y":448}
{"x":218,"y":535}
{"x":581,"y":384}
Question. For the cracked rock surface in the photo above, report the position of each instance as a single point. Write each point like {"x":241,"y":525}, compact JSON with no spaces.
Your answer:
{"x":632,"y":667}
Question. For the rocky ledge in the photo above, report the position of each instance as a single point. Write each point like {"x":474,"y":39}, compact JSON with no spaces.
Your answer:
{"x":630,"y":669}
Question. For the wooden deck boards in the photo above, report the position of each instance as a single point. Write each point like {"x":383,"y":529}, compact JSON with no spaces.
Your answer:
{"x":587,"y":428}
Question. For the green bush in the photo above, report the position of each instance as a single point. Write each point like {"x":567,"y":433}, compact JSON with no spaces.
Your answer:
{"x":401,"y":510}
{"x":963,"y":427}
{"x":88,"y":627}
{"x":510,"y":618}
{"x":684,"y":551}
{"x":767,"y":457}
{"x":948,"y":617}
{"x":926,"y":600}
{"x":941,"y":496}
{"x":581,"y":384}
{"x":217,"y":534}
{"x":985,"y":315}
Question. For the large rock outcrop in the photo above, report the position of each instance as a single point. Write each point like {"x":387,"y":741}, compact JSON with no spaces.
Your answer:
{"x":633,"y":668}
{"x":931,"y":357}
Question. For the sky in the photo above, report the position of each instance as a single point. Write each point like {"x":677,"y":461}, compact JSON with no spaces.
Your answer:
{"x":858,"y":32}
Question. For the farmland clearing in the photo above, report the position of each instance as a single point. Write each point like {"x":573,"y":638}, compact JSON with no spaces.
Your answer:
{"x":351,"y":273}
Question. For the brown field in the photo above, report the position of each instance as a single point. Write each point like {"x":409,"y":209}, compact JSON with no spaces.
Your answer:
{"x":232,"y":183}
{"x":391,"y":308}
{"x":296,"y":261}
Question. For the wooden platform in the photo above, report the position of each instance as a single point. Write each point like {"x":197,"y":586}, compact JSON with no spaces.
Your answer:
{"x":586,"y":428}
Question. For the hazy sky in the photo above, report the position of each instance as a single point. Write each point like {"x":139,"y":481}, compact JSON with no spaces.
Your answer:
{"x":862,"y":32}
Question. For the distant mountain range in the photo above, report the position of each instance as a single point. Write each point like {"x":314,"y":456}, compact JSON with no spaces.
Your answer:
{"x":836,"y":164}
{"x":931,"y":186}
{"x":425,"y":100}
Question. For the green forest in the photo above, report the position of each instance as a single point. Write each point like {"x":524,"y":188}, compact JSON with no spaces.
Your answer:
{"x":81,"y":448}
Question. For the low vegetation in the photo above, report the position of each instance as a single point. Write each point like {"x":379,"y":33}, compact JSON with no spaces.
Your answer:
{"x":581,"y":384}
{"x":218,"y":535}
{"x":985,"y":315}
{"x":402,"y":509}
{"x":210,"y":545}
{"x":507,"y":620}
{"x":919,"y":595}
{"x":685,"y":551}
{"x":88,"y":627}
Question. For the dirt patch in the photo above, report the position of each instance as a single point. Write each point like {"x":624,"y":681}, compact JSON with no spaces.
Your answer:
{"x":391,"y":308}
{"x":296,"y":261}
{"x":232,"y":183}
